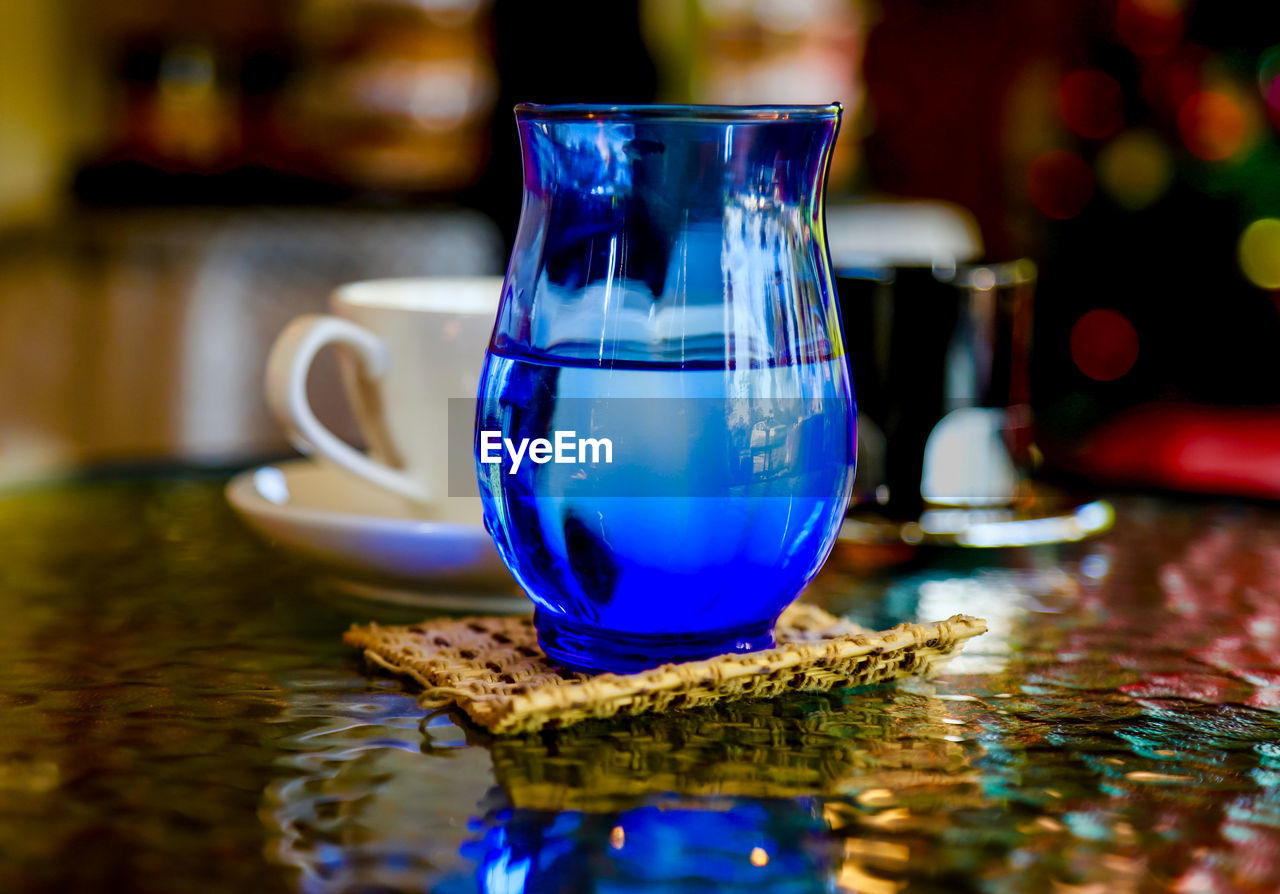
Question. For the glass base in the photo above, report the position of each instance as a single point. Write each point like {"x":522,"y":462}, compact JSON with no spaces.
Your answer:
{"x":593,"y":650}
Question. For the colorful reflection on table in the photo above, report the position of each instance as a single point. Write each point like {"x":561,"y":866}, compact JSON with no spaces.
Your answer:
{"x":192,"y":715}
{"x":1104,"y":733}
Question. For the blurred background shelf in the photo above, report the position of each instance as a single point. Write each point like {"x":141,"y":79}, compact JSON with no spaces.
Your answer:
{"x":143,"y":334}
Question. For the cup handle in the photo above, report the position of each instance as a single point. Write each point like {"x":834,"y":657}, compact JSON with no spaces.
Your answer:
{"x":286,"y":387}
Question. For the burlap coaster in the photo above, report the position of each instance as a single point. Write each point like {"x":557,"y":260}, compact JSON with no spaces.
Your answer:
{"x":492,"y":669}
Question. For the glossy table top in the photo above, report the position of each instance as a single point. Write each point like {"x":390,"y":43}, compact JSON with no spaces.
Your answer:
{"x":180,"y":714}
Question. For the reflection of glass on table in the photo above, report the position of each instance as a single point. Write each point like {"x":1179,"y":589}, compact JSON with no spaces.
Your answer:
{"x":178,"y":704}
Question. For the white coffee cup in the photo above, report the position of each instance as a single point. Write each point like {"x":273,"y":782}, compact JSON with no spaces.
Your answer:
{"x":408,"y":346}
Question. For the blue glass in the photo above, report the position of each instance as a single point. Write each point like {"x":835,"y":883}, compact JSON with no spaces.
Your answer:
{"x":669,"y":289}
{"x":671,"y":847}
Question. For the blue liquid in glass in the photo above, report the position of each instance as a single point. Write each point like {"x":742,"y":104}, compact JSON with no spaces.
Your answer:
{"x":669,"y":289}
{"x":723,"y":499}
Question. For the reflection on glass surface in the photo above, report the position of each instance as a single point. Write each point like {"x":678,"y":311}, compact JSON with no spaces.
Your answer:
{"x":179,"y":712}
{"x":669,"y":846}
{"x":1102,"y":734}
{"x":375,"y":792}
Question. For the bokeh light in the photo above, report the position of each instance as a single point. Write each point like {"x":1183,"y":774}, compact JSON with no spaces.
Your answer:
{"x":1259,"y":252}
{"x":1214,"y":125}
{"x":1272,"y":97}
{"x":1149,"y":27}
{"x":1091,"y":103}
{"x":1104,"y":345}
{"x":1169,"y":80}
{"x":1135,"y":168}
{"x":1060,"y":184}
{"x":1269,"y":82}
{"x":1268,"y":68}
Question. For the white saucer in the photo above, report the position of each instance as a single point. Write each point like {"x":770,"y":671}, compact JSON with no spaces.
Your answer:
{"x":373,"y":544}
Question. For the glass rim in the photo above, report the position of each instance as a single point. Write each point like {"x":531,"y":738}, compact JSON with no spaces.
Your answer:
{"x":677,"y":112}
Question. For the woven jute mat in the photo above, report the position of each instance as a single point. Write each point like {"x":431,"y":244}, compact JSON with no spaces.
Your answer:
{"x":492,"y":668}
